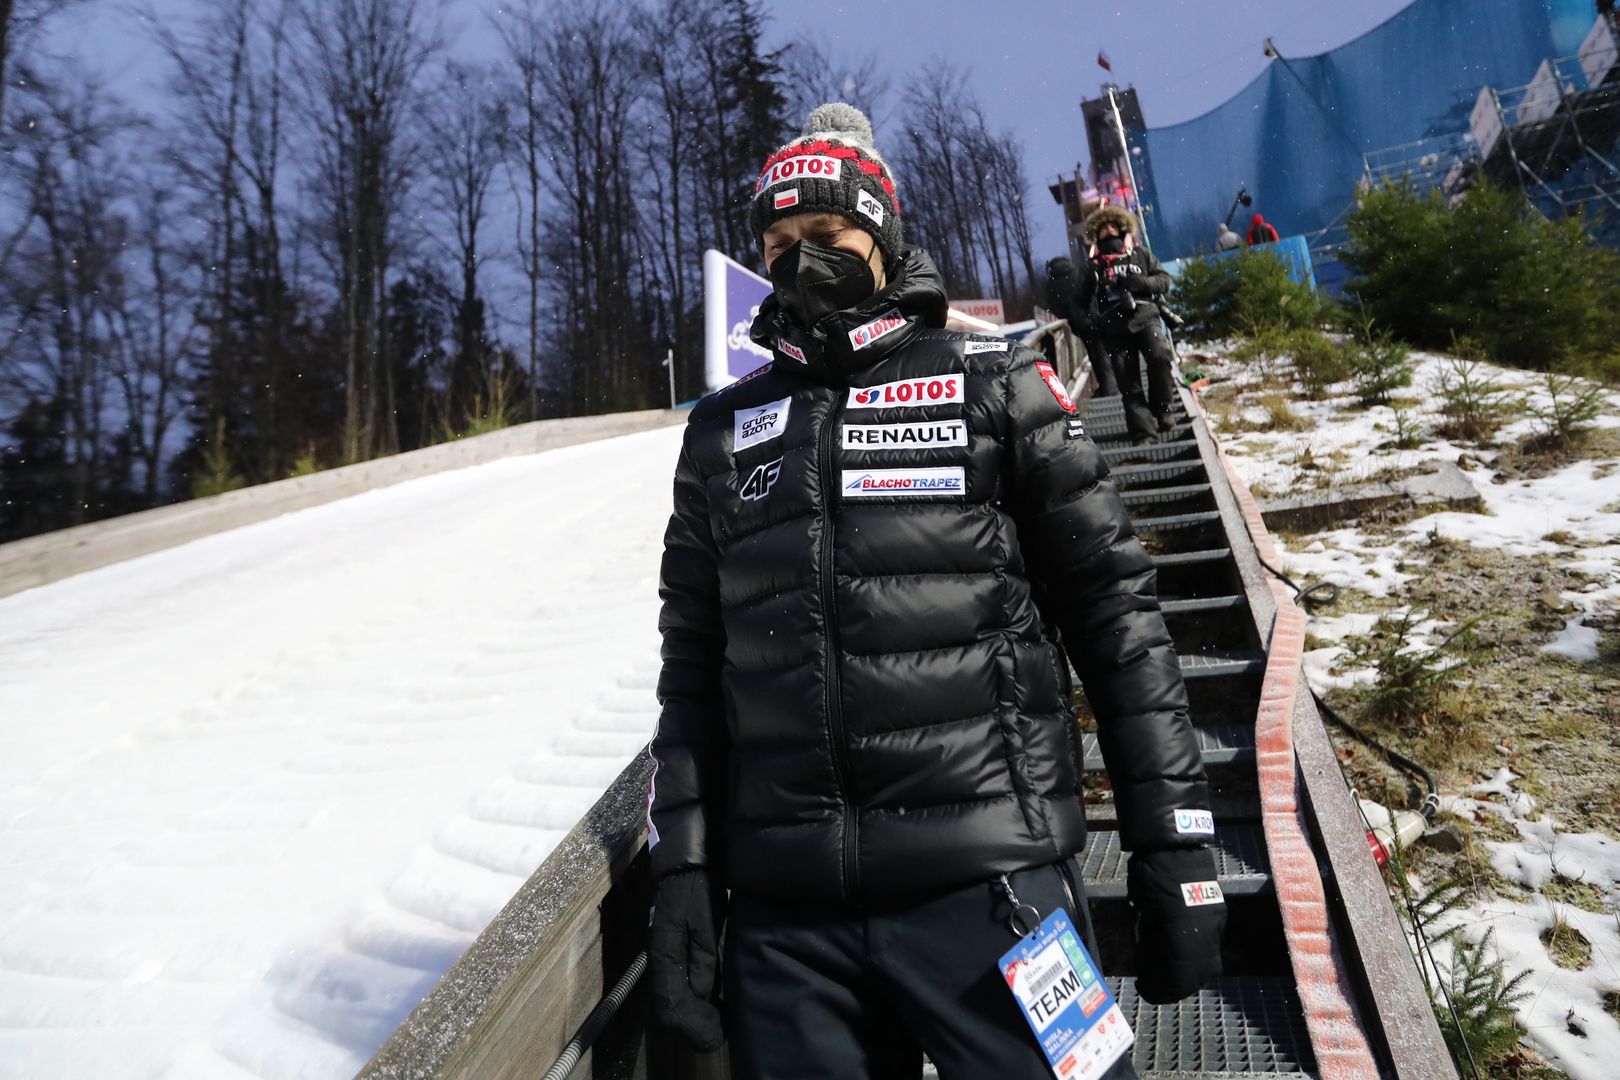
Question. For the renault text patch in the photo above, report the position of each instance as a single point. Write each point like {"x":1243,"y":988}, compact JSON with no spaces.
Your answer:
{"x":882,"y":326}
{"x":1199,"y":893}
{"x":983,"y":346}
{"x":928,"y":433}
{"x":760,"y":424}
{"x":867,"y":483}
{"x":803,"y":167}
{"x":1055,"y":384}
{"x":908,"y":393}
{"x":1195,"y":821}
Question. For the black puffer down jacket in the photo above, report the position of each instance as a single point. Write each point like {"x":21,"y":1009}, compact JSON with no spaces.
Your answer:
{"x":859,"y":705}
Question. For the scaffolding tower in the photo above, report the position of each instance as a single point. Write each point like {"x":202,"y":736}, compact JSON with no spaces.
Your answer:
{"x":1556,"y":138}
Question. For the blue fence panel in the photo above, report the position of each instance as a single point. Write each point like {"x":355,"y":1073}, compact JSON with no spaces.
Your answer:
{"x":1294,"y":252}
{"x":1296,"y":134}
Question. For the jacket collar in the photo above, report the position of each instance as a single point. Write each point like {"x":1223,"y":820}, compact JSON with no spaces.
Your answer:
{"x":852,"y":340}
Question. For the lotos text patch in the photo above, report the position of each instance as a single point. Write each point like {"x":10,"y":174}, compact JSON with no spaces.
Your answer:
{"x":908,"y":393}
{"x":789,"y":349}
{"x":759,"y":424}
{"x":803,"y":167}
{"x":870,"y":483}
{"x":882,"y":326}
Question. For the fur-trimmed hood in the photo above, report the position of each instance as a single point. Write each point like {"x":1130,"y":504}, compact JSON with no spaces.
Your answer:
{"x":1116,"y":216}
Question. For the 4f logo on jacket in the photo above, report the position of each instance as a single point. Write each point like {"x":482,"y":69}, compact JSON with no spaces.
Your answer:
{"x":761,"y":480}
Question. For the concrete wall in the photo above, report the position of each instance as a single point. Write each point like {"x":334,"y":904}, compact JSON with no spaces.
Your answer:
{"x":40,"y":560}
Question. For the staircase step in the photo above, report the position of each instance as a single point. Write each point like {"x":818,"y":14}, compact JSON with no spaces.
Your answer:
{"x":1132,"y":477}
{"x":1148,"y":496}
{"x":1239,"y":1026}
{"x":1159,"y":451}
{"x":1202,"y":603}
{"x":1193,"y":558}
{"x":1221,"y":663}
{"x":1241,"y":865}
{"x":1173,"y":522}
{"x":1220,"y":744}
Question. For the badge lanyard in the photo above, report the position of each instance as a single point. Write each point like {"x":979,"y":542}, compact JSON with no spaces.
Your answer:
{"x":1076,"y":1021}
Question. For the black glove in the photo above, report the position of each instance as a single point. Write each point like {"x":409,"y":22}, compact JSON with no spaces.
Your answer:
{"x":1138,"y":285}
{"x":683,"y":959}
{"x":1180,"y":916}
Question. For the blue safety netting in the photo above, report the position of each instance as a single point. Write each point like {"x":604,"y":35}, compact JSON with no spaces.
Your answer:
{"x":1296,"y":134}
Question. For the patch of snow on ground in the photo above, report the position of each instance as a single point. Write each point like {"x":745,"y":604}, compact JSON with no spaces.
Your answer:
{"x":1558,"y":998}
{"x":1574,"y":641}
{"x":259,"y":792}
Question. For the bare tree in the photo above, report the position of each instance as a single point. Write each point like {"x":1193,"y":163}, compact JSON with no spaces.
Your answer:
{"x":522,"y":35}
{"x":816,"y":74}
{"x":154,"y":332}
{"x":466,"y":145}
{"x":360,"y":67}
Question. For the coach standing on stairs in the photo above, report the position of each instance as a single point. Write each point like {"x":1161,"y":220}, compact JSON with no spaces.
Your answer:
{"x":865,"y":757}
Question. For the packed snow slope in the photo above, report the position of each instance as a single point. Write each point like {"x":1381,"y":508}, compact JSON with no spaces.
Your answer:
{"x":257,"y":793}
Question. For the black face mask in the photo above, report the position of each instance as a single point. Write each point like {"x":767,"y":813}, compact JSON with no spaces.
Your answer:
{"x":813,"y":281}
{"x":1111,"y":245}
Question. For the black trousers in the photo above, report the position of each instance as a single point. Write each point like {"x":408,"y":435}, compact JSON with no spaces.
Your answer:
{"x":1152,"y":345}
{"x":811,"y":995}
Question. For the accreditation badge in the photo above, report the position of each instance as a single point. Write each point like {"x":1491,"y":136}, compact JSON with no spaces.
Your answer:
{"x":1075,"y":1019}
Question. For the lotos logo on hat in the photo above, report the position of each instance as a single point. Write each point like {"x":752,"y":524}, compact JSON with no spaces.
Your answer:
{"x":802,"y":167}
{"x":785,"y":199}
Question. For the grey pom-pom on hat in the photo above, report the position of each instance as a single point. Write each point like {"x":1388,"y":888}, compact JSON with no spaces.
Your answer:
{"x":831,"y":168}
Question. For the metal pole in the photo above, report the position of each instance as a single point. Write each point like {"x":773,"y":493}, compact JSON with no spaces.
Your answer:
{"x":1130,"y":172}
{"x":669,"y":362}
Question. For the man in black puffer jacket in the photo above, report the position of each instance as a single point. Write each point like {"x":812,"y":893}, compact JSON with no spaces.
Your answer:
{"x":1117,"y":303}
{"x":864,"y":736}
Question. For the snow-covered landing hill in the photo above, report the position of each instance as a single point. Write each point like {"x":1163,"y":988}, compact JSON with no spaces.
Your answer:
{"x":257,"y":793}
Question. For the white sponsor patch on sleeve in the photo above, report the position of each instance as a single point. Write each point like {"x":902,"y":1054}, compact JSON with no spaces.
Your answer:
{"x":1195,"y":821}
{"x":867,"y":204}
{"x":759,"y":424}
{"x":983,"y":346}
{"x":1199,"y":893}
{"x":880,"y":483}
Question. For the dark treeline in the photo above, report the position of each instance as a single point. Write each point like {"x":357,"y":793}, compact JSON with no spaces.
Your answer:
{"x":337,"y":236}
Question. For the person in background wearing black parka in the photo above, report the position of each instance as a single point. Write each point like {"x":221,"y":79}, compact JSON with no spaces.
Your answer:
{"x":1061,"y":285}
{"x":864,"y":744}
{"x":1119,"y":291}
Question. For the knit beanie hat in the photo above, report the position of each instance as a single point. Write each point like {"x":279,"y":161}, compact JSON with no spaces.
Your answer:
{"x":831,"y":168}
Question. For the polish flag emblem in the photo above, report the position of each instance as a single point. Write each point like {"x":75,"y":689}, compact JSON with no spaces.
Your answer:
{"x":1054,"y":383}
{"x":785,"y":199}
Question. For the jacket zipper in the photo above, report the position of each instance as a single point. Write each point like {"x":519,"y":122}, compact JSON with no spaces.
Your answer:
{"x":829,"y":609}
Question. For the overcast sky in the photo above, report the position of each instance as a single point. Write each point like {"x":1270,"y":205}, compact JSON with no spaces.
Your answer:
{"x":1031,"y":60}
